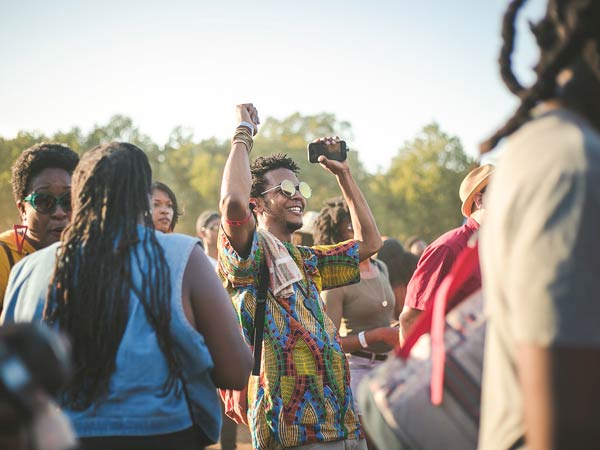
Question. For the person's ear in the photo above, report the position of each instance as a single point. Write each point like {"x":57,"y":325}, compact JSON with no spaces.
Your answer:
{"x":478,"y":200}
{"x":256,"y":205}
{"x":22,"y":211}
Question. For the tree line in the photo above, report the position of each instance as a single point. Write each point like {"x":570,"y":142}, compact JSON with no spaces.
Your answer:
{"x":416,"y":195}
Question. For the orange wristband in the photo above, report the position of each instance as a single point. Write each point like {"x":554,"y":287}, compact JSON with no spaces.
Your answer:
{"x":237,"y":223}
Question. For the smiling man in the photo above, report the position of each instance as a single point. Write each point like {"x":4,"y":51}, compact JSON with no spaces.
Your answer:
{"x":302,"y":395}
{"x":41,"y":184}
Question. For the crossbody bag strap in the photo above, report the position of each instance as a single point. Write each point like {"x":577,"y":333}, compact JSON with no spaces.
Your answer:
{"x":11,"y":260}
{"x":259,"y":311}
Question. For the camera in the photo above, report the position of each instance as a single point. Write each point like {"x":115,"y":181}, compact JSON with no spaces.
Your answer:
{"x":337,"y":151}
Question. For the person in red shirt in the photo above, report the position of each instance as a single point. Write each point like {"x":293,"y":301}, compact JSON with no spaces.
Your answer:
{"x":438,"y":258}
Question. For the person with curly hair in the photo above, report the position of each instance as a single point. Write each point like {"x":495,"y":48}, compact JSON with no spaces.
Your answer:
{"x":364,"y":312}
{"x":165,"y":209}
{"x":299,"y":395}
{"x":540,"y":249}
{"x":41,"y":185}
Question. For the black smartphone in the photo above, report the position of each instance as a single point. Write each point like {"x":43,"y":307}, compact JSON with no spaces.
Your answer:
{"x":337,"y":151}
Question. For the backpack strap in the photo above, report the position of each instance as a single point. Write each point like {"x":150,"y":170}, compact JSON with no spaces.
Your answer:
{"x":11,"y":260}
{"x":259,"y":311}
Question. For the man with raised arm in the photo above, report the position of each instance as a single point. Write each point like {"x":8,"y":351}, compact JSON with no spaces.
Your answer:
{"x":302,"y":395}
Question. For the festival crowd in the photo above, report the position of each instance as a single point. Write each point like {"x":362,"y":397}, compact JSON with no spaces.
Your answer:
{"x":309,"y":327}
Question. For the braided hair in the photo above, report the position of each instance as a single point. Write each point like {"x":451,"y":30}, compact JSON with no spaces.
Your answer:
{"x":94,"y":274}
{"x":569,"y":35}
{"x":327,"y":226}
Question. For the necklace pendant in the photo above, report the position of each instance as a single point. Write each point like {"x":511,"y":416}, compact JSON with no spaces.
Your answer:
{"x":384,"y":303}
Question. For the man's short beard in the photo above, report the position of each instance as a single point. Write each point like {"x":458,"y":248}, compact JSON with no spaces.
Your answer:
{"x":293,"y":226}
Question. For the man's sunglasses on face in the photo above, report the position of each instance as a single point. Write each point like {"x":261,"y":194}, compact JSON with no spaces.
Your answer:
{"x":47,"y":203}
{"x":288,"y":188}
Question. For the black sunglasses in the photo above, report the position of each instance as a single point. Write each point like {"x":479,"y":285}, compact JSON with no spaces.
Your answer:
{"x":47,"y":203}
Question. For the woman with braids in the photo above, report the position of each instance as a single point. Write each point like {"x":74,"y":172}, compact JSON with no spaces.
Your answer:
{"x":152,"y":330}
{"x":363,"y":312}
{"x":165,"y":210}
{"x":540,"y":246}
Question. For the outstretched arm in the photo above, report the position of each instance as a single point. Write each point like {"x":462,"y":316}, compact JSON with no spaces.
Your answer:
{"x":363,"y":222}
{"x":236,"y":218}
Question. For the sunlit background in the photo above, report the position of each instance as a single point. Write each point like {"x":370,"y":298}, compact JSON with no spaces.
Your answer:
{"x":387,"y":67}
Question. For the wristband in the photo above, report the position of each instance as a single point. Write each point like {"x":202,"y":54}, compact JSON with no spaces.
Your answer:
{"x":362,"y":339}
{"x":247,"y":125}
{"x":238,"y":223}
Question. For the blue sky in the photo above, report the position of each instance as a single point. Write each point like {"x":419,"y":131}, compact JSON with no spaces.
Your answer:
{"x":387,"y":67}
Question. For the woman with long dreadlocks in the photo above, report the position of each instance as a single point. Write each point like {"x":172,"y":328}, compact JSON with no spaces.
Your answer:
{"x":541,"y":246}
{"x":152,"y":330}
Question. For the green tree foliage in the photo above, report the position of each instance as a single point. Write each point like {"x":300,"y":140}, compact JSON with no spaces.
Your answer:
{"x":418,"y":195}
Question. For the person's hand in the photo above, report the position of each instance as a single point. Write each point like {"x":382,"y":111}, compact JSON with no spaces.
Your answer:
{"x":335,"y":167}
{"x":246,"y":112}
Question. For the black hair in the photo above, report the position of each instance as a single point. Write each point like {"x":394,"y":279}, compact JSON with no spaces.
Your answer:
{"x":327,"y":229}
{"x":37,"y":158}
{"x":263,"y":164}
{"x":568,"y":35}
{"x":167,"y":190}
{"x":401,"y":264}
{"x":93,"y":277}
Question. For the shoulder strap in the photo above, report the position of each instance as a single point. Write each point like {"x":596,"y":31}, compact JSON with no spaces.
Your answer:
{"x":11,"y":260}
{"x":259,"y":311}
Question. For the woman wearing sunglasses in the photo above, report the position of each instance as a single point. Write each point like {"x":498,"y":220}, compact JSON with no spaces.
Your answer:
{"x":165,"y":210}
{"x":41,"y":185}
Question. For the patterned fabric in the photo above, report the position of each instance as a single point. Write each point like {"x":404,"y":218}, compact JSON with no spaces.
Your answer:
{"x":303,"y":393}
{"x":8,"y":237}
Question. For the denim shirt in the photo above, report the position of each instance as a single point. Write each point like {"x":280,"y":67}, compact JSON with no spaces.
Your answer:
{"x":135,"y":404}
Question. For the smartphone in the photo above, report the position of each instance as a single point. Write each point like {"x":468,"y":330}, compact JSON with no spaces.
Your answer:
{"x":337,"y":151}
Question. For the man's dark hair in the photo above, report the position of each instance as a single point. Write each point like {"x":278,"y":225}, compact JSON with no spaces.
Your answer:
{"x":576,"y":45}
{"x":263,"y":164}
{"x":327,"y":226}
{"x":37,"y":158}
{"x":157,"y":185}
{"x":401,"y":264}
{"x":93,"y":276}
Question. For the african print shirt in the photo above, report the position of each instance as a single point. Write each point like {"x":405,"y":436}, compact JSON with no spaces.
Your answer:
{"x":303,"y":393}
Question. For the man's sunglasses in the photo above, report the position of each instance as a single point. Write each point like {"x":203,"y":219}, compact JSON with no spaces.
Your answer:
{"x":47,"y":203}
{"x":288,"y":188}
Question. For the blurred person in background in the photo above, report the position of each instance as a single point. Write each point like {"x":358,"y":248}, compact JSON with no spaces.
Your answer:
{"x":207,"y":229}
{"x":438,"y":258}
{"x":400,"y":265}
{"x":165,"y":210}
{"x":41,"y":185}
{"x":362,"y":312}
{"x":415,"y":245}
{"x":118,"y":284}
{"x":540,"y":245}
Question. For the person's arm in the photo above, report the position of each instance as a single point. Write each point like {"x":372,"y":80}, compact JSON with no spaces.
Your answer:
{"x":561,"y":396}
{"x":407,"y":319}
{"x":236,"y":218}
{"x":334,"y":299}
{"x":209,"y":310}
{"x":363,"y":222}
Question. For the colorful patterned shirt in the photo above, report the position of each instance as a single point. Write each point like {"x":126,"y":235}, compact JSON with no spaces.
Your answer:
{"x":303,"y":393}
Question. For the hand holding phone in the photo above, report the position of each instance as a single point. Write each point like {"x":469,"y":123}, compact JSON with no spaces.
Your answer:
{"x":333,"y":149}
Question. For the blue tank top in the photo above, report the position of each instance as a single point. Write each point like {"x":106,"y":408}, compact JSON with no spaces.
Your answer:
{"x":135,"y":404}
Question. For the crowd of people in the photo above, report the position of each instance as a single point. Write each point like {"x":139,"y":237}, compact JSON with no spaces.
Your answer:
{"x":288,"y":319}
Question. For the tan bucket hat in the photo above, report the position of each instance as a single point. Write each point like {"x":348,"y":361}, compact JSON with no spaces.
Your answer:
{"x":473,"y":183}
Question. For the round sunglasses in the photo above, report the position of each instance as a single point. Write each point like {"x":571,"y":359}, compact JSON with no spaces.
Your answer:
{"x":47,"y":203}
{"x":288,"y":188}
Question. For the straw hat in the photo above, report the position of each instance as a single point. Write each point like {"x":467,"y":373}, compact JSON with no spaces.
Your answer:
{"x":473,"y":183}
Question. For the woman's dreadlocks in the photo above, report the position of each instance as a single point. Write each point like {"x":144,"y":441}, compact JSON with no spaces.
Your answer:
{"x":93,"y":278}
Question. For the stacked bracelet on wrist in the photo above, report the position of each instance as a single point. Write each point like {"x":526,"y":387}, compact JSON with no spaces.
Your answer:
{"x":243,"y":135}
